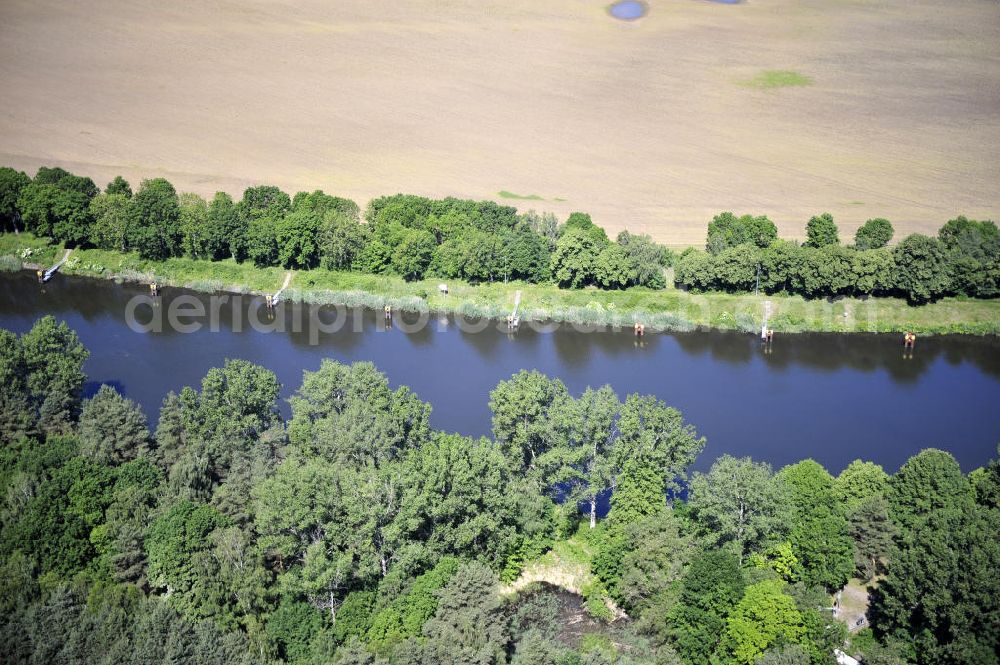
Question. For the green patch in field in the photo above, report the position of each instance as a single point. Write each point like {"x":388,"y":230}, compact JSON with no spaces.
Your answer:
{"x":559,"y":200}
{"x":770,"y":79}
{"x":504,"y":194}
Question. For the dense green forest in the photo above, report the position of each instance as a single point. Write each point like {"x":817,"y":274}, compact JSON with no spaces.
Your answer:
{"x":410,"y":236}
{"x":744,"y":253}
{"x":482,"y":241}
{"x":355,"y":533}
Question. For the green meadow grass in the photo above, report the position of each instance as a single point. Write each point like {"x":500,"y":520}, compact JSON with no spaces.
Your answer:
{"x":28,"y":250}
{"x":9,"y":263}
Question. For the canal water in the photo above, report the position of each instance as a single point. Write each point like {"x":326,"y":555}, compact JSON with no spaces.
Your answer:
{"x":833,"y":398}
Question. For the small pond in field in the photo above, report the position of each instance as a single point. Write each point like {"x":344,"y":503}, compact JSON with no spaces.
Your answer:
{"x":628,"y":10}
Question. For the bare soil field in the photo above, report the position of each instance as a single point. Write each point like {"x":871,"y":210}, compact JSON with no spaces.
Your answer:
{"x":650,"y":125}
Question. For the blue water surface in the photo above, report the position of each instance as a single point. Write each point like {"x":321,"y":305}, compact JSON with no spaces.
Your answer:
{"x":830,"y":397}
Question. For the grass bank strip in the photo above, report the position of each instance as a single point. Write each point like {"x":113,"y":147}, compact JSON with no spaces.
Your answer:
{"x":668,"y":309}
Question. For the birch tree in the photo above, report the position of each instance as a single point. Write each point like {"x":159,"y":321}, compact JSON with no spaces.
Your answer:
{"x":739,"y":502}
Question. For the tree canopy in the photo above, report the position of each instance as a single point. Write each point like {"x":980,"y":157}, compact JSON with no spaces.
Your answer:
{"x":873,"y":234}
{"x":821,"y":231}
{"x":416,"y":238}
{"x":355,"y":532}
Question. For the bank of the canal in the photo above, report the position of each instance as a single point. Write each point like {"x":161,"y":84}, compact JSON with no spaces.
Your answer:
{"x":668,"y":309}
{"x":831,"y":397}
